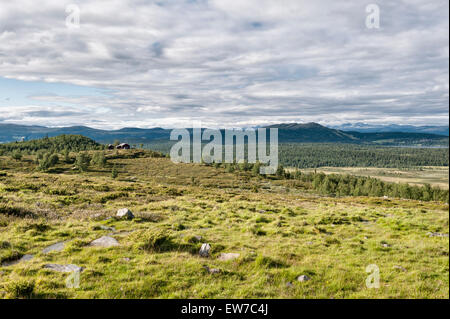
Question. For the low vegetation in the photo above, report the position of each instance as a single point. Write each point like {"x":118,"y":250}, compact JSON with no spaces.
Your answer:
{"x":279,"y":227}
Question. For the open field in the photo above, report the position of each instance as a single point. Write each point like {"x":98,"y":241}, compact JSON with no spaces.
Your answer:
{"x":280,"y":232}
{"x":433,"y":175}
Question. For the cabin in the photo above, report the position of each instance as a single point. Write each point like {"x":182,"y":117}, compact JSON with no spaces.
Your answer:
{"x":123,"y":146}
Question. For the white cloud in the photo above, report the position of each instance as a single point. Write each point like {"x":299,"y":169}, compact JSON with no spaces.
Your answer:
{"x":230,"y":63}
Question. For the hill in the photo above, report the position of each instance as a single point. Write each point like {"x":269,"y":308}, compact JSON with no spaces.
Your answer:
{"x":316,"y":133}
{"x":293,"y":133}
{"x":72,"y":143}
{"x":372,"y":128}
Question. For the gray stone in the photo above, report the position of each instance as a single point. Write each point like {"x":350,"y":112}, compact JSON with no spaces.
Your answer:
{"x":204,"y":250}
{"x":64,"y":268}
{"x":228,"y":256}
{"x":303,"y":278}
{"x":107,"y":228}
{"x":437,"y":235}
{"x":55,"y":247}
{"x":212,"y":270}
{"x":14,"y":262}
{"x":400,"y":268}
{"x":289,"y":284}
{"x":125,"y":213}
{"x":104,"y":241}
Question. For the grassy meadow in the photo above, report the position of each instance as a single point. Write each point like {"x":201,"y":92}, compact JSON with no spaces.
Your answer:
{"x":279,"y":230}
{"x":433,"y":175}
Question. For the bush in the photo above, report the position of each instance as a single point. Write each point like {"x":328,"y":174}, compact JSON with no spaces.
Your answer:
{"x":21,"y":289}
{"x":155,"y":241}
{"x":98,"y":159}
{"x":114,"y":172}
{"x":82,"y":161}
{"x":47,"y":160}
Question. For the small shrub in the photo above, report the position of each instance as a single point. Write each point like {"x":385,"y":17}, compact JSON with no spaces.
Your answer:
{"x":21,"y":289}
{"x":155,"y":241}
{"x":267,"y":262}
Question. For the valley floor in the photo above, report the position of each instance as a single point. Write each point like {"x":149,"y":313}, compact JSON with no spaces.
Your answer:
{"x":433,"y":175}
{"x":279,"y":232}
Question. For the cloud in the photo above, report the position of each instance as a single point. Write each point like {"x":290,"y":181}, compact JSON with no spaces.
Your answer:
{"x":229,"y":62}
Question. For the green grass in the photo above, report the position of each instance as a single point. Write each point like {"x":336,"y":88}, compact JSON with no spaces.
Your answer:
{"x":280,"y":232}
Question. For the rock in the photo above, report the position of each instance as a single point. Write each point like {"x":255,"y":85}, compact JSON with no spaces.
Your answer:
{"x":126,"y":259}
{"x":303,"y":278}
{"x":204,"y":250}
{"x":55,"y":247}
{"x":228,"y":256}
{"x":64,"y":268}
{"x":13,"y":262}
{"x":125,"y":213}
{"x":107,"y":228}
{"x":104,"y":241}
{"x":309,"y":243}
{"x":399,"y":267}
{"x":385,"y":245}
{"x":289,"y":284}
{"x":212,"y":270}
{"x":437,"y":235}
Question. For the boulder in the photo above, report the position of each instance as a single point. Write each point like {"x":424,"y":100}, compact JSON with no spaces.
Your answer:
{"x":125,"y":213}
{"x":204,"y":250}
{"x":55,"y":247}
{"x":64,"y":268}
{"x":212,"y":270}
{"x":437,"y":235}
{"x":16,"y":261}
{"x":228,"y":256}
{"x":104,"y":241}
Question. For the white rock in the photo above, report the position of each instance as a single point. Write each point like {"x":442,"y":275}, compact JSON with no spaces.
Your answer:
{"x":204,"y":250}
{"x":228,"y":256}
{"x":125,"y":212}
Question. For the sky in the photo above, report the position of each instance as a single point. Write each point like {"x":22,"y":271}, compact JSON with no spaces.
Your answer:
{"x":224,"y":63}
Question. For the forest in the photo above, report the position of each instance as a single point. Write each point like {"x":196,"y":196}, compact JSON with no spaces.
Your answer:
{"x":350,"y":155}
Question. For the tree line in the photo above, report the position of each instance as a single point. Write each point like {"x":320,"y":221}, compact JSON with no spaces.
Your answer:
{"x":348,"y":155}
{"x":346,"y":185}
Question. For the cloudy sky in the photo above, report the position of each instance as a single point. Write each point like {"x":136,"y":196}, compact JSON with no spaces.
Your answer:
{"x":227,"y":63}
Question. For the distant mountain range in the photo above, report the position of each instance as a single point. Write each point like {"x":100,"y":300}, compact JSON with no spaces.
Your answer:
{"x":372,"y":128}
{"x":291,"y":132}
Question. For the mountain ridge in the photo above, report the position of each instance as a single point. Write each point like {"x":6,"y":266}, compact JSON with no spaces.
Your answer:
{"x":287,"y":133}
